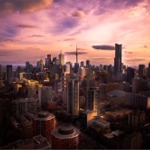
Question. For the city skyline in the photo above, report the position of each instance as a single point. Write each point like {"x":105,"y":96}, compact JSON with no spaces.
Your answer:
{"x":31,"y":30}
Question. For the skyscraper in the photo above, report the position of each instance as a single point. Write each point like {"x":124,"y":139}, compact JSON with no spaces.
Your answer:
{"x":61,"y":59}
{"x":91,"y":103}
{"x":73,"y":96}
{"x":48,"y":61}
{"x":118,"y":60}
{"x":141,"y":70}
{"x":9,"y":74}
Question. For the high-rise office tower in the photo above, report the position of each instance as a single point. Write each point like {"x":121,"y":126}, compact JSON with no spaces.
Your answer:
{"x":27,"y":66}
{"x":48,"y":61}
{"x":49,"y":58}
{"x":73,"y":96}
{"x":130,"y":74}
{"x":40,"y":64}
{"x":68,"y":68}
{"x":141,"y":70}
{"x":9,"y":74}
{"x":61,"y":59}
{"x":118,"y":60}
{"x":43,"y":124}
{"x":91,"y":103}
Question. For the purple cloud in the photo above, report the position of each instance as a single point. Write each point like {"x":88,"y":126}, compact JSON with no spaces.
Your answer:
{"x":8,"y":6}
{"x":65,"y":24}
{"x":7,"y":31}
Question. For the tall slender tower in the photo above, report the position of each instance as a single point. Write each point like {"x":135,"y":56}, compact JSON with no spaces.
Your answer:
{"x":118,"y":60}
{"x":76,"y":67}
{"x":76,"y":54}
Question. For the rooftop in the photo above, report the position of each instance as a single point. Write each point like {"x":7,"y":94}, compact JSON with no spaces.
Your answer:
{"x":65,"y":131}
{"x":113,"y":134}
{"x":44,"y":115}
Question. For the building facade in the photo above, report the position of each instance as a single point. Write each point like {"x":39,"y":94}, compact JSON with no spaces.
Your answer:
{"x":43,"y":124}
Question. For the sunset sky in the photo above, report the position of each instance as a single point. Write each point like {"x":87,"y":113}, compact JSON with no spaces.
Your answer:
{"x":31,"y":29}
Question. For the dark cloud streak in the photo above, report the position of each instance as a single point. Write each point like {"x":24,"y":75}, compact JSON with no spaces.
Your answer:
{"x":103,"y":47}
{"x":26,"y":26}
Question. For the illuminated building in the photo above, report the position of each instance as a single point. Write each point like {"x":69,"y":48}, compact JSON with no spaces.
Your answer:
{"x":43,"y":124}
{"x":68,"y":68}
{"x":61,"y":59}
{"x":40,"y":65}
{"x":86,"y":118}
{"x":65,"y":137}
{"x":65,"y":79}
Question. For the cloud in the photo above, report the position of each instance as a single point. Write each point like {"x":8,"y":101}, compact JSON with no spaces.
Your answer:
{"x":145,"y":46}
{"x":78,"y":13}
{"x":8,"y":52}
{"x":26,"y":26}
{"x":98,"y":60}
{"x":106,"y":6}
{"x":74,"y":53}
{"x":70,"y":39}
{"x":101,"y":58}
{"x":128,"y":52}
{"x":36,"y":35}
{"x":8,"y":31}
{"x":8,"y":6}
{"x":103,"y":47}
{"x":64,"y":24}
{"x":135,"y":60}
{"x":7,"y":40}
{"x":81,"y":49}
